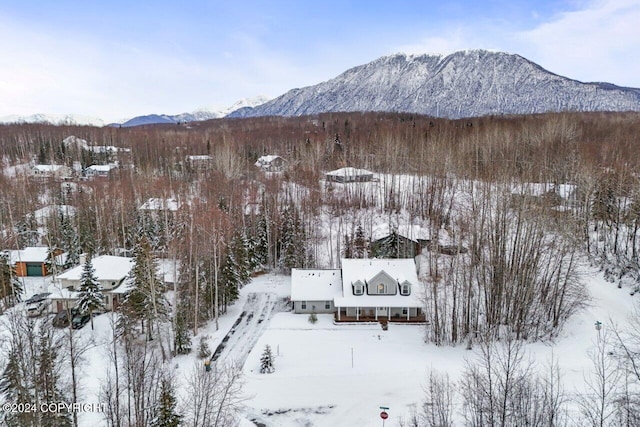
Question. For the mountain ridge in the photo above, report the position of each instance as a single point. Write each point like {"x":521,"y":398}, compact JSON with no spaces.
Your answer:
{"x":462,"y":84}
{"x":205,"y":113}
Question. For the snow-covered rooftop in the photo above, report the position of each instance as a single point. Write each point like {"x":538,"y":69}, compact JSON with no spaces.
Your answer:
{"x":349,"y":171}
{"x":102,"y":168}
{"x":42,"y":214}
{"x":48,"y":168}
{"x":30,"y":254}
{"x":366,"y":269}
{"x":107,"y":268}
{"x":265,"y":160}
{"x":202,"y":157}
{"x":410,"y":231}
{"x":315,"y":285}
{"x":157,"y":204}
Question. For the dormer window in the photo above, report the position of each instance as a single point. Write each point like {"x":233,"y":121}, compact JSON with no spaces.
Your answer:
{"x":358,"y":288}
{"x":405,"y":289}
{"x":381,"y":288}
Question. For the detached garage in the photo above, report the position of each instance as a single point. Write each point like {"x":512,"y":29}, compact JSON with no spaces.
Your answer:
{"x":32,"y":261}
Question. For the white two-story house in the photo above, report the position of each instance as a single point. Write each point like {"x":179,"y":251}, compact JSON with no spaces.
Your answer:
{"x":362,"y":290}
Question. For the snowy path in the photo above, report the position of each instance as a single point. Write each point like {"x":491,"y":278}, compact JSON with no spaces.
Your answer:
{"x":259,"y":308}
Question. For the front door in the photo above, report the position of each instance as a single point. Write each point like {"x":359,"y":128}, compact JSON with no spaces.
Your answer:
{"x":383,"y":311}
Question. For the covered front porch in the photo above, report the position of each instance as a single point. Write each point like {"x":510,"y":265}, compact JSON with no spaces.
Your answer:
{"x":380,"y":314}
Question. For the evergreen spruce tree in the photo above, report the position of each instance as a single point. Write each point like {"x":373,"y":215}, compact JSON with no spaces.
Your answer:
{"x":182,"y":337}
{"x":10,"y":286}
{"x":14,"y":387}
{"x":347,"y":250}
{"x":230,"y":278}
{"x":48,"y":374}
{"x":145,"y":301}
{"x":260,"y":249}
{"x":90,"y":297}
{"x":50,"y":262}
{"x":166,"y":415}
{"x":359,"y":243}
{"x":293,"y":241}
{"x":27,"y":231}
{"x":204,"y":351}
{"x":70,"y":243}
{"x":240,"y":245}
{"x":266,"y":361}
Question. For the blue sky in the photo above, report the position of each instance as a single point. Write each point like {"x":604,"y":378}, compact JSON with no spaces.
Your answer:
{"x":117,"y":59}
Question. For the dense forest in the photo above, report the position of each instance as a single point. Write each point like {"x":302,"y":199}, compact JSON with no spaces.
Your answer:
{"x":474,"y":184}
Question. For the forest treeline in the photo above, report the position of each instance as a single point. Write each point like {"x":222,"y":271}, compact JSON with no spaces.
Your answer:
{"x":518,"y":275}
{"x":232,"y":216}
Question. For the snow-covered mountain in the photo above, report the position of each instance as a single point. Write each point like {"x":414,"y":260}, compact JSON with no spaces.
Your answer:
{"x":195,"y":116}
{"x":80,"y":120}
{"x":55,"y":119}
{"x":462,"y":84}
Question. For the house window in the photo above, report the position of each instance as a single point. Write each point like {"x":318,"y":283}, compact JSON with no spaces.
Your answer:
{"x":404,"y":311}
{"x":381,"y":288}
{"x":303,"y":305}
{"x":405,"y":289}
{"x":357,"y":290}
{"x":327,"y":305}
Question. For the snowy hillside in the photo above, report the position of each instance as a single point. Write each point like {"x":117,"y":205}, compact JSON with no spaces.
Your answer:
{"x":463,"y":84}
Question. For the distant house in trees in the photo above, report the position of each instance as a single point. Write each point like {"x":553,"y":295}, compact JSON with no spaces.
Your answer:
{"x":110,"y":271}
{"x":200,"y":162}
{"x":43,"y":214}
{"x":349,"y":174}
{"x":103,"y":171}
{"x":32,"y":261}
{"x":363,"y":290}
{"x":156,"y":205}
{"x":394,"y":245}
{"x":51,"y":172}
{"x":545,"y":193}
{"x":271,"y":163}
{"x":101,"y":153}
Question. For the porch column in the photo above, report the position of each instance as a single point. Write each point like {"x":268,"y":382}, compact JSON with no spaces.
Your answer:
{"x":408,"y":312}
{"x":338,"y":314}
{"x":357,"y":313}
{"x":376,"y":313}
{"x":389,"y":312}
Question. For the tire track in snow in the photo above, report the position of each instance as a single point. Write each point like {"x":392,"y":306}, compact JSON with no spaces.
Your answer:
{"x":247,"y":329}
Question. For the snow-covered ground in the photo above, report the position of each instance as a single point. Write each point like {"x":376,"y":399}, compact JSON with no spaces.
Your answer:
{"x":340,"y":375}
{"x":317,"y":384}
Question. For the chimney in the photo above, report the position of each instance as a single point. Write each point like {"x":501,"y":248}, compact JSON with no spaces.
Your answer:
{"x":82,"y":258}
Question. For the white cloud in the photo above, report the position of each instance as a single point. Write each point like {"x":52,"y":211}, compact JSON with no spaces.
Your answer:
{"x":600,"y":42}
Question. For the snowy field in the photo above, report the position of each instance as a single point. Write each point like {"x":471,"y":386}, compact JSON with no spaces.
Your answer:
{"x":317,"y":382}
